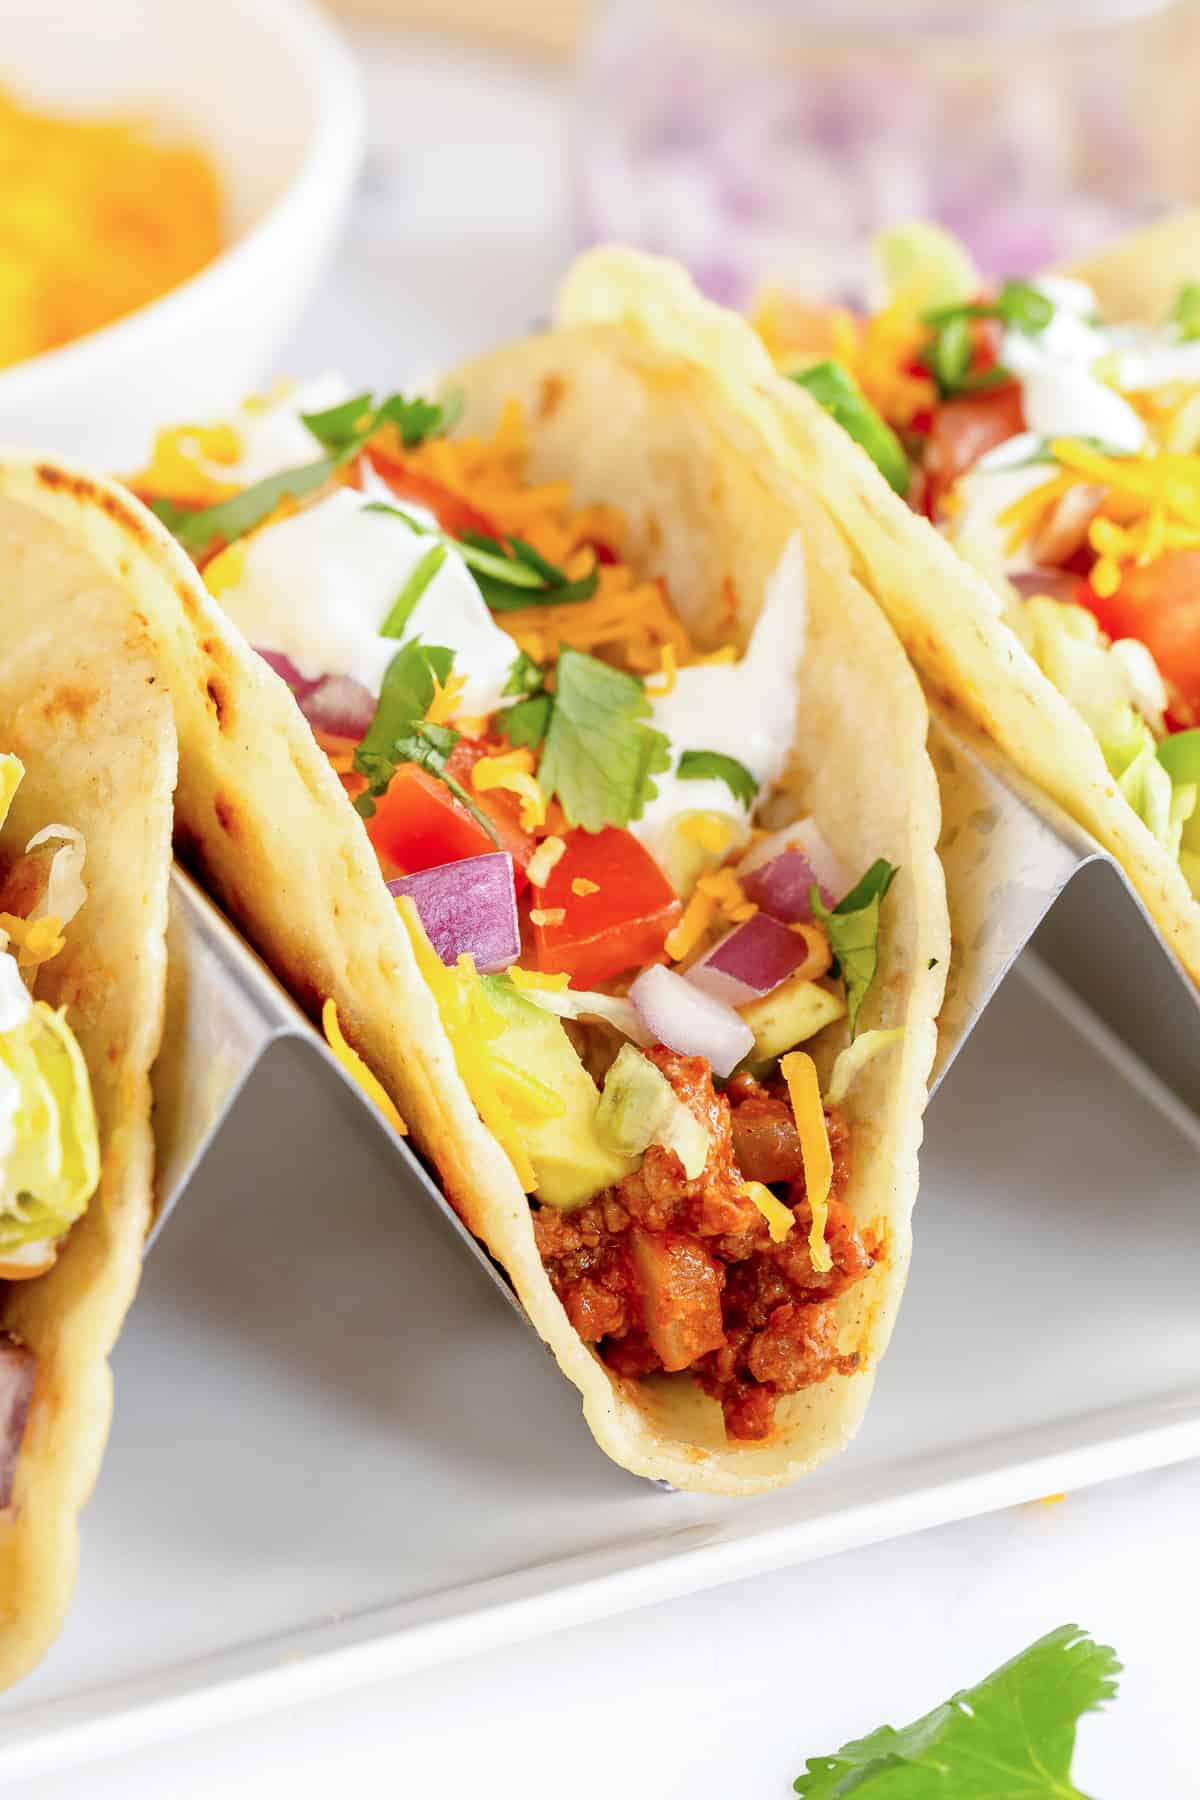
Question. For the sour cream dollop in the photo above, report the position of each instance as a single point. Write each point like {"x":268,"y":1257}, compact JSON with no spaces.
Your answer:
{"x":746,"y":710}
{"x":316,"y":587}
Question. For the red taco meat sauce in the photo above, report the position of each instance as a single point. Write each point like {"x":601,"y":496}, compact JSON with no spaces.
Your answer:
{"x":666,"y":1274}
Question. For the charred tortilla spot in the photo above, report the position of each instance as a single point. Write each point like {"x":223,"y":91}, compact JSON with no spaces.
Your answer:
{"x":216,"y":694}
{"x":70,"y":701}
{"x":227,"y":815}
{"x":550,"y":397}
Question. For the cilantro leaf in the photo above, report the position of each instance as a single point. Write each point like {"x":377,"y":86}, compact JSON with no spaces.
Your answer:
{"x":429,"y":746}
{"x":835,"y":389}
{"x":415,"y":420}
{"x":706,"y":765}
{"x":600,"y":754}
{"x":404,"y":605}
{"x":526,"y":723}
{"x":1186,"y":311}
{"x":522,"y":577}
{"x":212,"y":526}
{"x":342,"y":430}
{"x":404,"y":698}
{"x":525,"y":676}
{"x":853,"y":928}
{"x":948,"y":355}
{"x":1013,"y":1734}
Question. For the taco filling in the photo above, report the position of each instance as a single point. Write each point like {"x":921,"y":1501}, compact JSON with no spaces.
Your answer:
{"x":49,"y":1146}
{"x":568,"y":799}
{"x":1060,"y":453}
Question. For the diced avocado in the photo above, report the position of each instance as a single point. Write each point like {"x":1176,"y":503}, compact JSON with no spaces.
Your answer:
{"x":789,"y":1014}
{"x":639,"y":1107}
{"x":693,"y":844}
{"x":570,"y":1160}
{"x":924,"y":265}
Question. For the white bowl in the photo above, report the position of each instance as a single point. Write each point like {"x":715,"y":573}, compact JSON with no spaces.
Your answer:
{"x":267,"y":87}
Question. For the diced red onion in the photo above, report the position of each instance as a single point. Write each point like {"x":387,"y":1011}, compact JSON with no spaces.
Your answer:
{"x":751,"y":959}
{"x":778,"y":872}
{"x":684,"y":1018}
{"x":18,"y":1366}
{"x":468,"y":907}
{"x":335,"y":704}
{"x":1056,"y":584}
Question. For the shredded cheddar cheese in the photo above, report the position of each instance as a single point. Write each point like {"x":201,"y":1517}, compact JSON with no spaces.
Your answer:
{"x":804,"y":1089}
{"x":357,"y":1069}
{"x":470,"y":1023}
{"x":697,"y":917}
{"x":524,"y":979}
{"x":544,"y":861}
{"x":37,"y":940}
{"x":513,"y":771}
{"x":444,"y":704}
{"x":724,"y":887}
{"x":780,"y":1218}
{"x":581,"y":887}
{"x":97,"y":217}
{"x":547,"y":915}
{"x":665,"y":684}
{"x":1151,"y":504}
{"x":712,"y":832}
{"x":226,"y":568}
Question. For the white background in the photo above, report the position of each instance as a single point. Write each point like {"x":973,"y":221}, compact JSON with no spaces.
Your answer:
{"x":457,"y":240}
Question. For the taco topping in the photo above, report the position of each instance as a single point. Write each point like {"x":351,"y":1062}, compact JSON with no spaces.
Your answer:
{"x":49,"y":1148}
{"x":1060,"y":453}
{"x":561,"y":789}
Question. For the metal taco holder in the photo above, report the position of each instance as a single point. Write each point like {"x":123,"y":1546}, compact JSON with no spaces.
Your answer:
{"x":1021,"y":875}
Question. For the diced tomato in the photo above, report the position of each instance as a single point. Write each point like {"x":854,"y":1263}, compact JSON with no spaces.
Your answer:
{"x":1160,"y":604}
{"x":966,"y":428}
{"x":622,"y":924}
{"x":453,"y":514}
{"x":502,"y":807}
{"x":418,"y":823}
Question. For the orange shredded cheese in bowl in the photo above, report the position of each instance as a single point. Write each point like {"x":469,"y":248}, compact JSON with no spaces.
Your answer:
{"x":97,"y":218}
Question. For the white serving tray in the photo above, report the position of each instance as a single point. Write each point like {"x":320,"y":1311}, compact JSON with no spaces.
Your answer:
{"x":337,"y":1455}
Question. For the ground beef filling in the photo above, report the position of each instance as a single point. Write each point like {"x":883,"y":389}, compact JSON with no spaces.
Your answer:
{"x":665,"y":1273}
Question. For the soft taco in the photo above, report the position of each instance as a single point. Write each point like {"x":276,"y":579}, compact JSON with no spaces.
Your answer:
{"x":1049,"y":429}
{"x":87,"y":767}
{"x":557,"y":763}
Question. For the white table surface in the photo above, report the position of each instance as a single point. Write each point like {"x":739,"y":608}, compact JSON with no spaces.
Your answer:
{"x":457,"y":240}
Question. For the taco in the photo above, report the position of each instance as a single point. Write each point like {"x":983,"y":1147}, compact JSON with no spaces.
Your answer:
{"x":87,"y":766}
{"x":579,"y":790}
{"x":1049,"y":429}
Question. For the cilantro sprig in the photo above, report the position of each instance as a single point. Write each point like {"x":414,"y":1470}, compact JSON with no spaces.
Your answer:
{"x":400,"y":733}
{"x":526,"y":723}
{"x":949,"y":353}
{"x":853,"y":930}
{"x":507,"y":578}
{"x":601,"y":755}
{"x":1012,"y":1734}
{"x":342,"y":431}
{"x":712,"y":765}
{"x":502,"y":593}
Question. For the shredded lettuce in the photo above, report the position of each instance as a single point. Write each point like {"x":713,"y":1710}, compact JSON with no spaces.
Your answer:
{"x":1097,"y":679}
{"x":575,"y":1003}
{"x":49,"y":1147}
{"x":65,"y":890}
